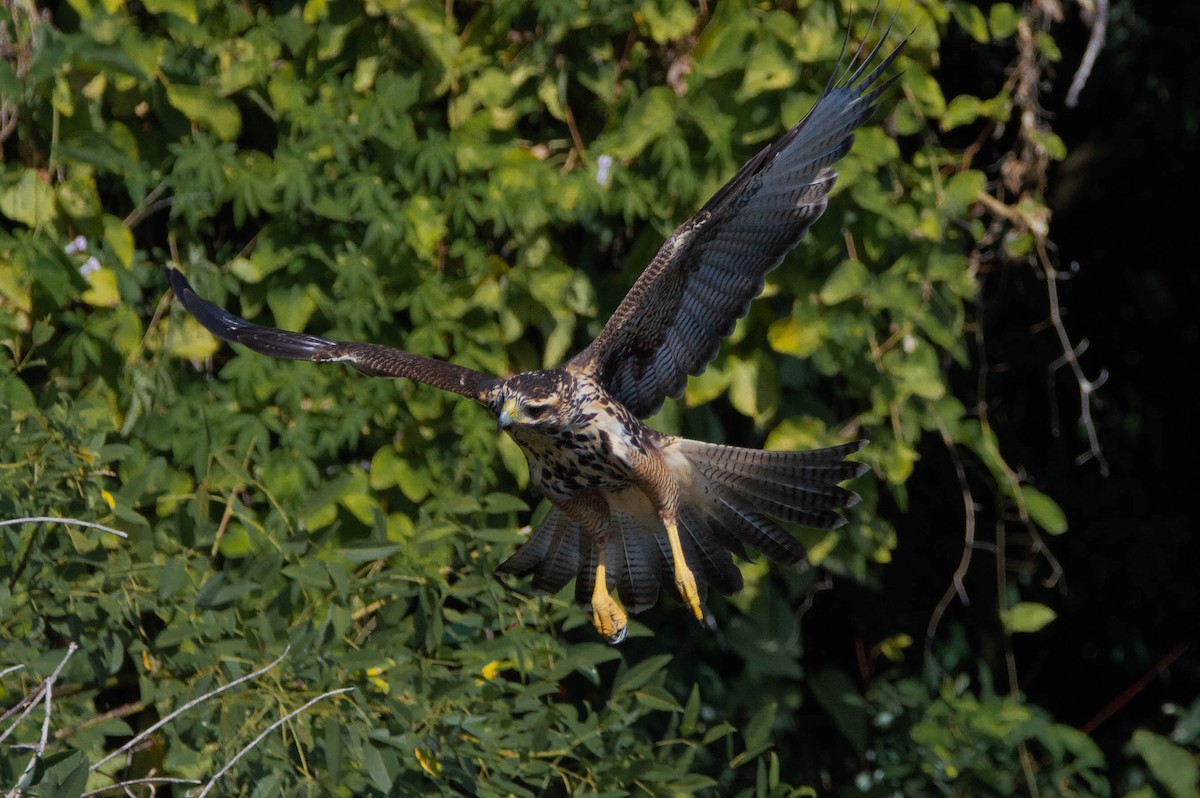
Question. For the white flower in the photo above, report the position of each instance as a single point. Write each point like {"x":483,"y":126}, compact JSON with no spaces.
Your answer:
{"x":90,"y":265}
{"x":603,"y":164}
{"x":77,"y":244}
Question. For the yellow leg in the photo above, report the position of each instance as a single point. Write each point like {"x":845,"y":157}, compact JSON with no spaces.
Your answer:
{"x":685,"y":580}
{"x":607,"y":616}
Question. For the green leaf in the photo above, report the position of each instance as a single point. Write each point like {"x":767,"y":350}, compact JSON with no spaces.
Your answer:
{"x":172,"y":577}
{"x":65,"y":774}
{"x":800,"y":334}
{"x":1172,"y":765}
{"x":1047,"y":46}
{"x":119,"y":239}
{"x":767,"y":68}
{"x":691,"y":712}
{"x":237,"y":542}
{"x":927,"y":92}
{"x":758,"y":729}
{"x":754,"y":386}
{"x":102,"y":288}
{"x":756,"y":735}
{"x":77,"y":197}
{"x":849,"y":279}
{"x":668,"y":20}
{"x":10,"y":84}
{"x":204,"y":107}
{"x":181,"y":8}
{"x":1043,"y":510}
{"x":426,"y":227}
{"x":650,"y":117}
{"x":635,"y":677}
{"x":29,"y":199}
{"x":917,"y":372}
{"x":292,"y":306}
{"x":721,"y":47}
{"x":500,"y":503}
{"x":1002,"y":20}
{"x":1050,"y":143}
{"x":962,"y":191}
{"x":962,"y":110}
{"x":1027,"y":616}
{"x":377,"y":768}
{"x":971,"y":19}
{"x":368,"y":552}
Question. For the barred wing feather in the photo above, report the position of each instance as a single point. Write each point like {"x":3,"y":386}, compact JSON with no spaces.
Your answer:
{"x":704,"y":277}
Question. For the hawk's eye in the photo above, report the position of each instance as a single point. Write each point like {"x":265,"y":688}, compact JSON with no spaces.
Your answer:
{"x":536,"y":411}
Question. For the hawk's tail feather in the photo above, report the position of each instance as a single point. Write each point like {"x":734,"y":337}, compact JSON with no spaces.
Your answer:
{"x":556,"y":552}
{"x":551,"y":553}
{"x":739,"y":520}
{"x":707,"y":546}
{"x":640,"y":567}
{"x":731,"y":502}
{"x":742,"y":490}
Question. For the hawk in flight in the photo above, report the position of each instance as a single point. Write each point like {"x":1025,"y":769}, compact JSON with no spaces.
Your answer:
{"x":633,"y":507}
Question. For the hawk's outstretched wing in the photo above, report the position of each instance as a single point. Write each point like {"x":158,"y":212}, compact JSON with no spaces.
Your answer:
{"x":702,"y":280}
{"x":373,"y":360}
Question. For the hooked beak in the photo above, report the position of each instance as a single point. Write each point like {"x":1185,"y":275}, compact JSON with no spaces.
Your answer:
{"x":505,"y":419}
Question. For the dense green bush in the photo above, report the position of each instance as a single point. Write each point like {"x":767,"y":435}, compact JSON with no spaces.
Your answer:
{"x":426,"y":175}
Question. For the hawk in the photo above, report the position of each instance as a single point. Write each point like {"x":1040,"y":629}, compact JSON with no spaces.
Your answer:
{"x":633,"y":508}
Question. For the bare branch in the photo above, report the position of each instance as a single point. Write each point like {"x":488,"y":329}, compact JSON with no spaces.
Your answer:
{"x":123,"y":711}
{"x":217,"y":776}
{"x":1097,"y":17}
{"x":194,"y":702}
{"x":124,"y":785}
{"x":956,"y":587}
{"x":1070,"y":358}
{"x":45,"y":519}
{"x":45,"y":695}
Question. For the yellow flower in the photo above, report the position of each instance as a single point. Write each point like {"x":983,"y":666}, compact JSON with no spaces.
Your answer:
{"x":428,"y":763}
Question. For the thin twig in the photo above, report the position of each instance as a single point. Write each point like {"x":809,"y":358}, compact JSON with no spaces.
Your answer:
{"x":1127,"y":695}
{"x":1010,"y":658}
{"x":123,"y":711}
{"x":1070,"y":358}
{"x":37,"y":695}
{"x":126,"y":784}
{"x":25,"y":702}
{"x":217,"y":776}
{"x":195,"y":701}
{"x":46,"y":697}
{"x":46,"y":519}
{"x":1099,"y":23}
{"x":957,"y":586}
{"x":576,"y":139}
{"x":147,"y":206}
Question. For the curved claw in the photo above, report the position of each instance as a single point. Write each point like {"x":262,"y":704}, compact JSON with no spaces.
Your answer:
{"x":685,"y":583}
{"x":608,"y":617}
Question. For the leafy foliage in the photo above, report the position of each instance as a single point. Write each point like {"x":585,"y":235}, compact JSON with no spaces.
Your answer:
{"x":478,"y":182}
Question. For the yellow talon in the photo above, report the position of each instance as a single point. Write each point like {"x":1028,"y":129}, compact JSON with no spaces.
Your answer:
{"x":607,"y":616}
{"x":685,"y":580}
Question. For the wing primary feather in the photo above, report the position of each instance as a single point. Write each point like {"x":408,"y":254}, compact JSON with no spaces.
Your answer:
{"x":854,"y":78}
{"x":374,"y":360}
{"x":670,"y":322}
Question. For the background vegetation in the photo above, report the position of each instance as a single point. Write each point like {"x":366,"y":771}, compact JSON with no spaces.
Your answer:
{"x":431,"y":176}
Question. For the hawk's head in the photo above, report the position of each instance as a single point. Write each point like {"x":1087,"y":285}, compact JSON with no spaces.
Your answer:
{"x":533,"y":400}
